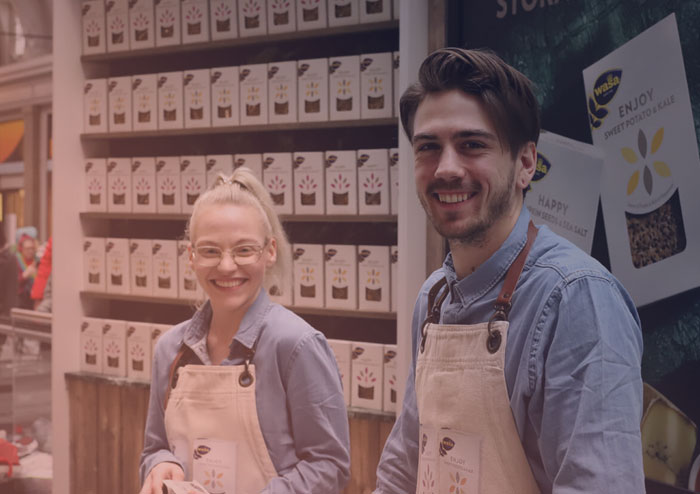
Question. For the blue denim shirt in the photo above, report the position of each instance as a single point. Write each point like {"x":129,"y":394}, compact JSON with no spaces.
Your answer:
{"x":572,"y":368}
{"x":299,"y":396}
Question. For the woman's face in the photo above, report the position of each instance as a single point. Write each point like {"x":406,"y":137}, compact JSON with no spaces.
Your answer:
{"x":231,"y":287}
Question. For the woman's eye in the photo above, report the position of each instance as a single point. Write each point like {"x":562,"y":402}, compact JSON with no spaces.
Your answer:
{"x":245,"y":250}
{"x":209,"y":252}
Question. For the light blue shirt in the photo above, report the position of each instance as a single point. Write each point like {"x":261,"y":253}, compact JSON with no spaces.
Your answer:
{"x":572,"y":367}
{"x":299,"y":396}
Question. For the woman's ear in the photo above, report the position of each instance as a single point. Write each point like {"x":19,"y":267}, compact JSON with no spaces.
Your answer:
{"x":271,"y":251}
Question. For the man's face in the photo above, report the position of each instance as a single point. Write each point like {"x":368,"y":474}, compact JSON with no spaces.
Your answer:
{"x":466,"y":181}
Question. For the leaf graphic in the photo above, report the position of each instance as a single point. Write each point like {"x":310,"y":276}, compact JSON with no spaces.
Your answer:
{"x":633,"y":182}
{"x":656,"y":141}
{"x":662,"y":168}
{"x":642,"y":143}
{"x":601,"y":113}
{"x":647,"y":180}
{"x":629,"y":155}
{"x":596,"y":123}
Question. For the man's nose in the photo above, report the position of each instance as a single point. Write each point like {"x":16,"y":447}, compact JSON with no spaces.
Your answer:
{"x":449,"y":165}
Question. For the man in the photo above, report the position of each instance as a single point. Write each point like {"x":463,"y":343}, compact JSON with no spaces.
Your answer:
{"x":526,"y":370}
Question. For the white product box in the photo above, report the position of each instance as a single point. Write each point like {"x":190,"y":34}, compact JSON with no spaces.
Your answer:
{"x":375,"y":11}
{"x":96,"y":184}
{"x":220,"y":457}
{"x":141,"y":24}
{"x":117,"y":12}
{"x":394,"y":179}
{"x":218,"y":164}
{"x":143,"y":185}
{"x":341,"y":276}
{"x":376,"y":88}
{"x":195,"y":21}
{"x":394,"y":260}
{"x":341,"y":182}
{"x":197,"y":98}
{"x":311,"y":14}
{"x":642,"y":118}
{"x":373,"y":180}
{"x":282,"y":292}
{"x":313,"y":90}
{"x":281,"y":16}
{"x":157,"y":330}
{"x":343,"y":351}
{"x":170,"y":99}
{"x":119,"y":185}
{"x":119,"y":98}
{"x":95,"y":106}
{"x":168,"y":184}
{"x":168,"y":20}
{"x":93,"y":27}
{"x":223,"y":19}
{"x":193,"y":180}
{"x":389,"y":402}
{"x":367,"y":375}
{"x":187,"y":286}
{"x":165,"y":268}
{"x":309,"y":189}
{"x":91,"y":345}
{"x":144,"y":97}
{"x":114,"y":348}
{"x":224,"y":96}
{"x":373,"y":278}
{"x":117,"y":265}
{"x":252,"y":18}
{"x":564,"y":191}
{"x":141,"y":267}
{"x":182,"y":486}
{"x":253,"y":99}
{"x":343,"y":12}
{"x":308,"y":275}
{"x":277,"y":177}
{"x":94,"y":278}
{"x":282,"y":92}
{"x":344,"y":87}
{"x":138,"y":351}
{"x":396,"y":62}
{"x":254,"y":162}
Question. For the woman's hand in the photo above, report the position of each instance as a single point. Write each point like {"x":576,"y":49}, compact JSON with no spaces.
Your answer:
{"x":162,"y":471}
{"x":30,"y":271}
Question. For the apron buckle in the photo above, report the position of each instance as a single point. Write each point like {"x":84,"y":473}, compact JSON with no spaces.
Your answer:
{"x":246,"y":378}
{"x":494,"y":340}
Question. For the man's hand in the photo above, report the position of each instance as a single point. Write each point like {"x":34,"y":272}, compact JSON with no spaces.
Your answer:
{"x":162,"y":471}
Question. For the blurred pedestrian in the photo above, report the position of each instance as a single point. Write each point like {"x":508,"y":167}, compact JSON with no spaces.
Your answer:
{"x":27,"y":264}
{"x":41,"y":291}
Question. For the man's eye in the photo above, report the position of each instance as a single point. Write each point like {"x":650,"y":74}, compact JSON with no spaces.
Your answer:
{"x":428,"y":146}
{"x":473,"y":145}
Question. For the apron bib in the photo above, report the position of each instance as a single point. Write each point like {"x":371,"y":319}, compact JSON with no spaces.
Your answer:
{"x":469,"y":442}
{"x":212,"y":427}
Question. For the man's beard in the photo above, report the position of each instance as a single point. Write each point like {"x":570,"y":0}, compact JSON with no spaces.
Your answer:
{"x":473,"y":234}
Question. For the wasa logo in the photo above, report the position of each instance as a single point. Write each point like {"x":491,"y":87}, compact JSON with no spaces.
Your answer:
{"x":604,"y":90}
{"x":660,"y":167}
{"x":541,"y":169}
{"x":200,"y":451}
{"x":446,"y":445}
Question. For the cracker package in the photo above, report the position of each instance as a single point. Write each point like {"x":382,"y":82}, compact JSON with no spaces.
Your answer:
{"x":641,"y":117}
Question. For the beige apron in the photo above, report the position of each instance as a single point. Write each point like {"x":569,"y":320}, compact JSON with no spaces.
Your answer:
{"x":212,"y":426}
{"x":469,"y":442}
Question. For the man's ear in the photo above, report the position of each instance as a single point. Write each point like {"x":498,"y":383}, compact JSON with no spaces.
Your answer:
{"x":526,"y":164}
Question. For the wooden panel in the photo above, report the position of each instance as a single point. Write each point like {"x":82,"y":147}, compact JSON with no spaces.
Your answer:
{"x":83,"y":434}
{"x":133,"y":415}
{"x":109,"y":430}
{"x":364,"y":455}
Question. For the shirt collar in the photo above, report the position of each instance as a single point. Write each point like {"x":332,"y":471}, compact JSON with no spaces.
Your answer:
{"x":486,"y":276}
{"x":248,"y":332}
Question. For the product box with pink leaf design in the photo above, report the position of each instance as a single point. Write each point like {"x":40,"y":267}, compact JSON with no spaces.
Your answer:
{"x":195,"y":21}
{"x":91,"y":345}
{"x":117,"y":18}
{"x":193,"y":180}
{"x":343,"y":12}
{"x":93,"y":13}
{"x":143,"y":184}
{"x":119,"y":102}
{"x":309,"y":183}
{"x":223,"y":19}
{"x":375,"y":11}
{"x":94,"y":278}
{"x":252,"y":18}
{"x":341,"y":182}
{"x":311,"y":14}
{"x":390,"y":381}
{"x":138,"y":351}
{"x":119,"y":185}
{"x":141,"y":24}
{"x":168,"y":184}
{"x":114,"y":347}
{"x":96,"y":185}
{"x":95,"y":106}
{"x":167,"y":18}
{"x":367,"y":375}
{"x":277,"y":177}
{"x":281,"y":16}
{"x":373,"y":181}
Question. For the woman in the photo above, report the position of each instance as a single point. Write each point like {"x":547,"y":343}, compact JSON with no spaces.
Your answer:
{"x":265,"y":411}
{"x":26,"y":264}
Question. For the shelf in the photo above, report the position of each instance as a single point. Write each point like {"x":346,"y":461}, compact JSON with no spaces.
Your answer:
{"x":186,"y":302}
{"x":286,"y":218}
{"x":271,"y":39}
{"x":244,"y":129}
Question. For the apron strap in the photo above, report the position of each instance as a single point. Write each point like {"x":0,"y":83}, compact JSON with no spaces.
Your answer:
{"x":185,"y":356}
{"x":433,"y":308}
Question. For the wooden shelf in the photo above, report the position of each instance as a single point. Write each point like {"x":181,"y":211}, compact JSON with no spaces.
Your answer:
{"x":244,"y":129}
{"x":287,"y":218}
{"x":186,"y":302}
{"x":269,"y":39}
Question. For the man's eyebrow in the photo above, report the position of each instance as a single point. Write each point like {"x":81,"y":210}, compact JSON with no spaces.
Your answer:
{"x":463,"y":134}
{"x":424,"y":137}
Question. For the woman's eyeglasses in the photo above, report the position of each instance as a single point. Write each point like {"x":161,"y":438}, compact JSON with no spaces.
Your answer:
{"x":209,"y":256}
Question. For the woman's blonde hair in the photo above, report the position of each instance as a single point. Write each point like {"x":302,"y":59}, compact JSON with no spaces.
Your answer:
{"x":242,"y":188}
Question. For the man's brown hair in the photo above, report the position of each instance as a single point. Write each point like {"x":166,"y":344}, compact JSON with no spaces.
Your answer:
{"x":506,"y":94}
